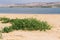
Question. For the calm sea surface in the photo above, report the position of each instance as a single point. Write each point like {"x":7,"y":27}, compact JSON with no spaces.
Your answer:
{"x":31,"y":10}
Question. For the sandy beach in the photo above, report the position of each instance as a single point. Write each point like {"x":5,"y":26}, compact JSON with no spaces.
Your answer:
{"x":52,"y":19}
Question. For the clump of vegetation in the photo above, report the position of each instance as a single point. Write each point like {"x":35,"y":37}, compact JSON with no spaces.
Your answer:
{"x":7,"y":29}
{"x":4,"y":20}
{"x":25,"y":24}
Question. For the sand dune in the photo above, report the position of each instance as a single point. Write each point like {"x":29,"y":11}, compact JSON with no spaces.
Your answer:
{"x":52,"y":19}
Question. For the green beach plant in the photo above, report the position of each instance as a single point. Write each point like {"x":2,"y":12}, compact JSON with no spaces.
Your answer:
{"x":4,"y":20}
{"x":25,"y":24}
{"x":7,"y":29}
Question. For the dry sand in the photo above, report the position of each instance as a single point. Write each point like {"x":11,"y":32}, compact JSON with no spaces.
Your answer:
{"x":52,"y":19}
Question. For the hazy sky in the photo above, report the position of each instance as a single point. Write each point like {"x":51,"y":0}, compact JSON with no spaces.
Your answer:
{"x":25,"y":1}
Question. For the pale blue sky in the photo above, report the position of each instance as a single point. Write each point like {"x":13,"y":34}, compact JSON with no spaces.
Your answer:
{"x":25,"y":1}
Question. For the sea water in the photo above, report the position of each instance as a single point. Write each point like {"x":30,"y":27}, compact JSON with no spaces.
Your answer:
{"x":31,"y":10}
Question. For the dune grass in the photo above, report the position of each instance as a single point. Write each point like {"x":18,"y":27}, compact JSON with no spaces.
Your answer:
{"x":25,"y":24}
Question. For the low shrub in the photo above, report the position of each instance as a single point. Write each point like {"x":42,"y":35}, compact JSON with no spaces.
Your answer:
{"x":4,"y":20}
{"x":7,"y":29}
{"x":26,"y":24}
{"x":44,"y":26}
